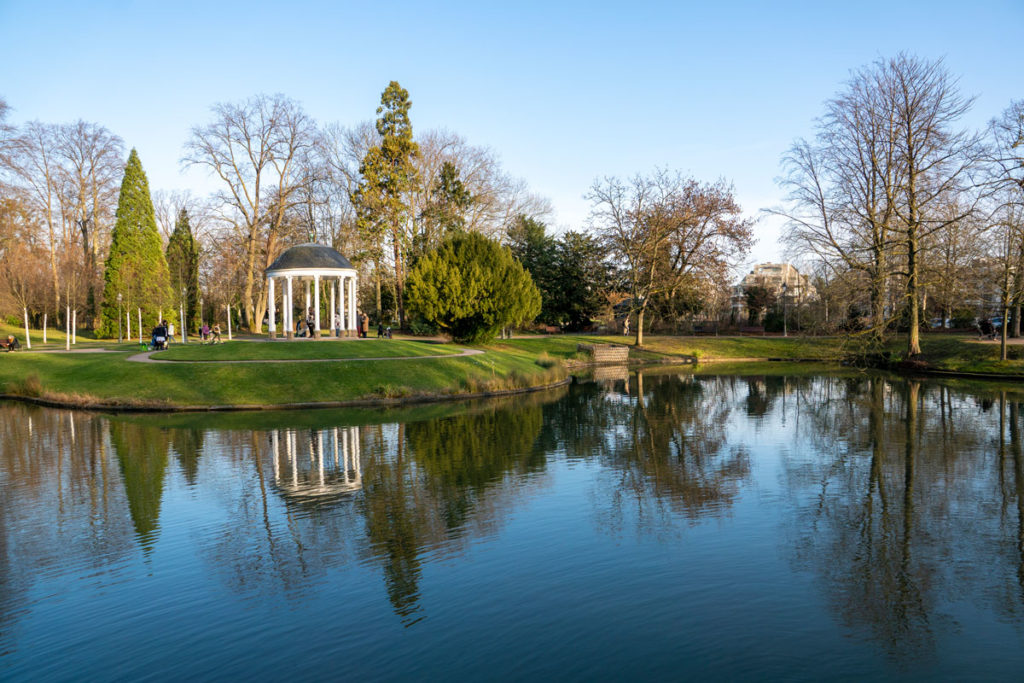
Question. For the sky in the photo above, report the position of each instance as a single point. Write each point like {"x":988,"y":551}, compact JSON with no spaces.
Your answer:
{"x":564,"y":92}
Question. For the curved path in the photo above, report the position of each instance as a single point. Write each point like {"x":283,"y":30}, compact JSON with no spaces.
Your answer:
{"x":145,"y":357}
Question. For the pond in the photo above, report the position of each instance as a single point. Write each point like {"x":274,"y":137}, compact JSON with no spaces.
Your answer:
{"x":653,"y":525}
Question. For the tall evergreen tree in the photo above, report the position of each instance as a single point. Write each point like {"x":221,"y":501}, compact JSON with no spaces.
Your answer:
{"x":581,"y":280}
{"x":449,"y":200}
{"x":388,"y":174}
{"x":537,"y":251}
{"x":136,"y":268}
{"x":183,"y":264}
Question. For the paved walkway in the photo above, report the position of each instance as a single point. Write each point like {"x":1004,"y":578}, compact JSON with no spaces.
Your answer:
{"x":145,"y":357}
{"x":63,"y":350}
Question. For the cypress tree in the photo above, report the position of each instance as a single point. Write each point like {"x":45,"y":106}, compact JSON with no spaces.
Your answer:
{"x":183,"y":264}
{"x":136,"y":268}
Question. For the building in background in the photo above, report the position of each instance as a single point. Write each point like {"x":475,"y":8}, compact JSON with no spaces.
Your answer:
{"x":787,"y":285}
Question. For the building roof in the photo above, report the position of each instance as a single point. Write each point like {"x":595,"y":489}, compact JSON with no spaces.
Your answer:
{"x":310,"y":256}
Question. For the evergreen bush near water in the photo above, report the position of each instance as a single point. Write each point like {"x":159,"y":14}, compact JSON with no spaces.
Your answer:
{"x":471,"y":287}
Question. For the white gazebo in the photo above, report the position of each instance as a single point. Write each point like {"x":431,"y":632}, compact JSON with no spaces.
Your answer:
{"x":314,"y":265}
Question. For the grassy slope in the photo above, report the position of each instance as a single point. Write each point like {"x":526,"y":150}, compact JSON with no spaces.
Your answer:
{"x":966,"y":354}
{"x":351,"y":348}
{"x":109,"y":376}
{"x":54,"y":338}
{"x":659,"y":348}
{"x":504,"y":365}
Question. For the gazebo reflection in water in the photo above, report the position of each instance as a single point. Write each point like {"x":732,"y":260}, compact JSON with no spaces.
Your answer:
{"x":316,"y":466}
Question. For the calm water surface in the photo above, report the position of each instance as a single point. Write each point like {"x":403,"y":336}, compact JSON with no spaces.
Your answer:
{"x":648,"y":526}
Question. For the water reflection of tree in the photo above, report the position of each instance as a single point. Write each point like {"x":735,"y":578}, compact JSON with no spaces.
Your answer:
{"x":678,"y":450}
{"x":187,"y":445}
{"x":142,"y":454}
{"x":426,"y":487}
{"x":61,"y":502}
{"x":439,"y":475}
{"x":664,"y":439}
{"x":897,"y":515}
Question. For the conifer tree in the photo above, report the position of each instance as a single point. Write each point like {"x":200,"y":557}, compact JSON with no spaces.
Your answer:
{"x":449,"y":200}
{"x":136,"y":268}
{"x":388,"y":174}
{"x":183,"y":264}
{"x":472,"y":287}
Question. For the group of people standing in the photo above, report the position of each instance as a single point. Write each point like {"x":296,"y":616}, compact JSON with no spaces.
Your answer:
{"x":163,"y":334}
{"x":305,"y":327}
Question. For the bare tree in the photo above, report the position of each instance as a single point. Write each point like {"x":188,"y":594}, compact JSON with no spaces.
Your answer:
{"x":259,"y":149}
{"x":1005,"y":152}
{"x":670,"y":231}
{"x":839,"y":189}
{"x":92,"y":161}
{"x":1006,"y":254}
{"x":36,"y":169}
{"x":875,"y":186}
{"x":933,"y":156}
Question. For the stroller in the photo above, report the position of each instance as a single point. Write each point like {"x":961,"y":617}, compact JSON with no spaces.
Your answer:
{"x":159,"y":341}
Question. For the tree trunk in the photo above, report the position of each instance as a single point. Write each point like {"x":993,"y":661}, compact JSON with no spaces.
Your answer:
{"x":1003,"y":331}
{"x":399,"y":284}
{"x":376,"y":277}
{"x":247,"y":303}
{"x":914,"y":332}
{"x":640,"y":325}
{"x":877,"y":294}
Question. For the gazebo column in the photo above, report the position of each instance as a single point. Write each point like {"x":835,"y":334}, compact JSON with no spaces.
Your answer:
{"x":332,"y":309}
{"x":305,"y":311}
{"x":342,"y":327}
{"x":316,"y":308}
{"x":273,"y":304}
{"x":352,"y":303}
{"x":289,"y":311}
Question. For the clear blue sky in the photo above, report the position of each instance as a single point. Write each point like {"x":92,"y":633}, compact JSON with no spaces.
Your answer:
{"x":563,"y":92}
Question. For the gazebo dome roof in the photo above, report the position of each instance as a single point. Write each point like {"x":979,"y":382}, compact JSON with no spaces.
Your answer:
{"x":310,"y":256}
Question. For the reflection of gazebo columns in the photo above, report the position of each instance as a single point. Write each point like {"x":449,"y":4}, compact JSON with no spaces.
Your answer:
{"x":332,"y":469}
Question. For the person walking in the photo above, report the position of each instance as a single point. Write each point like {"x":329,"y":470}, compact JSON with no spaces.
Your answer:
{"x":366,"y":324}
{"x":380,"y":329}
{"x":216,"y":335}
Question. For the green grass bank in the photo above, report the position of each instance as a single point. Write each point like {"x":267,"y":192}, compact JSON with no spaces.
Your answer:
{"x":371,"y":370}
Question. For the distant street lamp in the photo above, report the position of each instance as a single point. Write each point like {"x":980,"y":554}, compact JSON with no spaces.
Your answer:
{"x":785,"y":307}
{"x":181,"y":312}
{"x":120,"y":334}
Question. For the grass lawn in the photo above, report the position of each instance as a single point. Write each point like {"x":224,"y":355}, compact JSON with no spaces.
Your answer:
{"x":964,"y":353}
{"x":657,"y":347}
{"x":306,"y":350}
{"x":54,"y":338}
{"x":507,"y":364}
{"x":111,"y":378}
